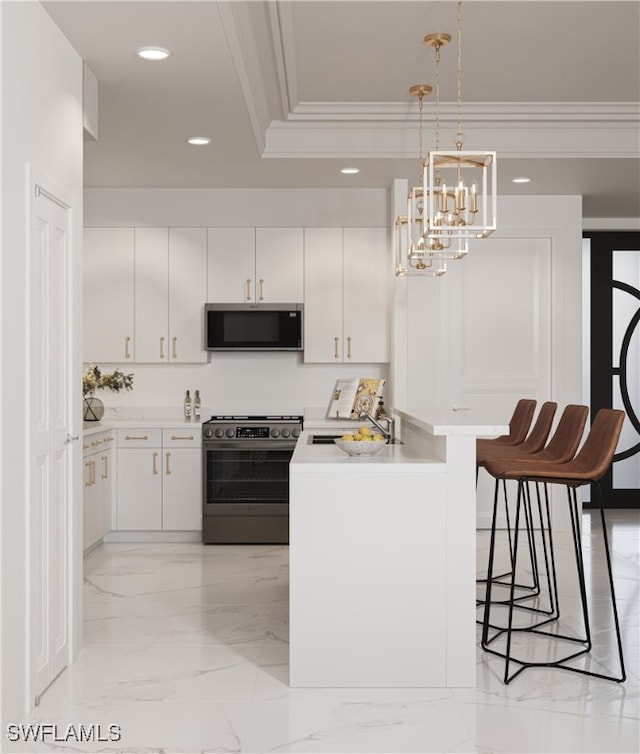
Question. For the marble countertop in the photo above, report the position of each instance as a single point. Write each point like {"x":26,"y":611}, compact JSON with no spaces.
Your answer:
{"x":307,"y":457}
{"x":92,"y":428}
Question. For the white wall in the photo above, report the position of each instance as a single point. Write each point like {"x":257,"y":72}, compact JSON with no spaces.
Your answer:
{"x":275,"y":383}
{"x":41,"y":128}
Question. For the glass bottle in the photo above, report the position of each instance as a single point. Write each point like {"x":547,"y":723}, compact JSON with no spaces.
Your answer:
{"x":196,"y":406}
{"x":187,"y":406}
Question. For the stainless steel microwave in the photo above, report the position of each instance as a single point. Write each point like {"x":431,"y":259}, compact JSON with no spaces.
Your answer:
{"x":253,"y":327}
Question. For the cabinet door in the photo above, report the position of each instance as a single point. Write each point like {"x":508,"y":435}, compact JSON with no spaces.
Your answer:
{"x":90,"y":502}
{"x":182,"y":489}
{"x":323,"y":295}
{"x":187,"y":294}
{"x":279,"y":265}
{"x":140,"y":489}
{"x":152,"y":294}
{"x":104,"y":473}
{"x":231,"y":265}
{"x":367,"y":285}
{"x":108,"y":258}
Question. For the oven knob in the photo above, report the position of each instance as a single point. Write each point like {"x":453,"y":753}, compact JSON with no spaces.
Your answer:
{"x":296,"y":433}
{"x":230,"y":432}
{"x":275,"y":433}
{"x":286,"y":432}
{"x":207,"y":432}
{"x":219,"y":432}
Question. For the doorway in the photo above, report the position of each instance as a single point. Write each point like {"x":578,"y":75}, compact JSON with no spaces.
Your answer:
{"x":614,"y":367}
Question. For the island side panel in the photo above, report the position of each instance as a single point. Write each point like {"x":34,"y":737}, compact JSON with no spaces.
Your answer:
{"x":367,"y":578}
{"x":461,"y":561}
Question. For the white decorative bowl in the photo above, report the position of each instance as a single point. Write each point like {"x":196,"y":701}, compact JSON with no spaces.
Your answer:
{"x":359,"y":447}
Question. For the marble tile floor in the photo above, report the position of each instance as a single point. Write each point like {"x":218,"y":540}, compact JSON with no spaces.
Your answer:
{"x":185,"y":649}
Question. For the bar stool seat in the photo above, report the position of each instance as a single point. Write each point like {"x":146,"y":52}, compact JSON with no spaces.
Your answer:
{"x":589,"y":466}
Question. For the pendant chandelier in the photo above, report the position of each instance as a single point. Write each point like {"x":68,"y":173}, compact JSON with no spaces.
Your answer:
{"x":459,"y":185}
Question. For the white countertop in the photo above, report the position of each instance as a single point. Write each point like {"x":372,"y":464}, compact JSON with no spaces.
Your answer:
{"x":307,"y":457}
{"x":449,"y":421}
{"x":91,"y":428}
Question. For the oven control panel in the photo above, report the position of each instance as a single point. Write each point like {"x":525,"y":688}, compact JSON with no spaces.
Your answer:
{"x":252,"y":428}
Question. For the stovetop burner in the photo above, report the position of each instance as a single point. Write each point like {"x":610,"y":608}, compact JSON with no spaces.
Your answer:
{"x":268,"y":417}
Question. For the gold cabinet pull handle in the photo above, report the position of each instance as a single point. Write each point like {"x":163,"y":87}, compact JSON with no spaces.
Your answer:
{"x":93,"y":473}
{"x":168,"y":457}
{"x":335,"y":348}
{"x":88,"y":482}
{"x":248,"y":289}
{"x":136,"y":437}
{"x":127,"y":341}
{"x":261,"y":289}
{"x":174,"y":340}
{"x":348,"y":346}
{"x":105,"y":467}
{"x":182,"y":437}
{"x":155,"y":463}
{"x":162,"y":348}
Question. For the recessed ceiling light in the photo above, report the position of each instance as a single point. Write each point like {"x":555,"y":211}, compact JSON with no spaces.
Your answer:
{"x":521,"y":179}
{"x":153,"y":53}
{"x":350,"y":171}
{"x":199,"y":141}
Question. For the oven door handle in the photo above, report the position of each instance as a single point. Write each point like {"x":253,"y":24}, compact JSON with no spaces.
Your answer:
{"x":250,"y":445}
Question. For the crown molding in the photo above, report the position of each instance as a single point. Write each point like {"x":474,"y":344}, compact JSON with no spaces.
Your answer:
{"x":388,"y":130}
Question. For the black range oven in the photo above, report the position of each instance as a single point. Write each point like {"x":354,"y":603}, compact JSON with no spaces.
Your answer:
{"x":246,"y":478}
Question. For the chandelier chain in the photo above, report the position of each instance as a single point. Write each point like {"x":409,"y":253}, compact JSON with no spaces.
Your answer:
{"x":420,"y":145}
{"x":459,"y":138}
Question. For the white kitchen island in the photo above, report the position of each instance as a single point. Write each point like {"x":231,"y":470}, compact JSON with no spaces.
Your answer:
{"x":382,"y":558}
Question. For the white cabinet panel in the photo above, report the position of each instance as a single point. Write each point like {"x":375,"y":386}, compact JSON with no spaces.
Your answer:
{"x":279,"y":265}
{"x":182,"y":489}
{"x":187,"y":294}
{"x":347,"y":295}
{"x":108,"y":259}
{"x":152,"y":294}
{"x":159,"y":479}
{"x":98,"y":488}
{"x":323,"y":294}
{"x":139,"y":489}
{"x":367,"y":286}
{"x":231,"y":265}
{"x":255,"y":265}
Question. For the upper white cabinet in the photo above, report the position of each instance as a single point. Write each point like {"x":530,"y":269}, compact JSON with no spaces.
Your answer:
{"x":255,"y":265}
{"x":347,"y":295}
{"x":144,"y":294}
{"x":108,"y":260}
{"x":170,"y":292}
{"x":279,"y":265}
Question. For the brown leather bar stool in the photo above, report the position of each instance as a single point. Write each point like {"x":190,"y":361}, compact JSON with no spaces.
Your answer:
{"x":561,"y":448}
{"x":533,"y":443}
{"x":518,"y":426}
{"x":587,"y":467}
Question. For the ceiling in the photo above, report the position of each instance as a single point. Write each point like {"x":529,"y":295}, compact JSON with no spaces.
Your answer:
{"x":292,"y":91}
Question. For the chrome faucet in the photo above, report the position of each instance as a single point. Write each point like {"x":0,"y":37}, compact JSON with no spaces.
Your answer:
{"x":389,"y":431}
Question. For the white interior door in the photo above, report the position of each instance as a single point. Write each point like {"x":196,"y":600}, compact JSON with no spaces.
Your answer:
{"x":50,"y":438}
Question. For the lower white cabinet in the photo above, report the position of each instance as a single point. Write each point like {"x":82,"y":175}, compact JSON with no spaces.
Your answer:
{"x":98,"y":487}
{"x":159,"y":479}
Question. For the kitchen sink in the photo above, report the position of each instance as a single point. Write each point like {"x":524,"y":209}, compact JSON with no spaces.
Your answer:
{"x":328,"y":440}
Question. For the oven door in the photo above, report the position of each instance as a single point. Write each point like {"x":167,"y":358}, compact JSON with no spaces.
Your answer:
{"x":250,"y":475}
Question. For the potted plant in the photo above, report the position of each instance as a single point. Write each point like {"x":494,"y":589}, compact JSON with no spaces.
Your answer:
{"x":93,"y":379}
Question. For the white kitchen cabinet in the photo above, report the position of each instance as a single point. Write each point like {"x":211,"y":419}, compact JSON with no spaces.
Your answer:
{"x":108,"y":260}
{"x":255,"y":265}
{"x":98,"y":487}
{"x":181,"y":480}
{"x":170,"y":293}
{"x":347,"y":295}
{"x":279,"y":265}
{"x":159,"y":480}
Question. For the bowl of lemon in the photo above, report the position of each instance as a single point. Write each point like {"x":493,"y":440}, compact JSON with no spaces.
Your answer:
{"x":362,"y":443}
